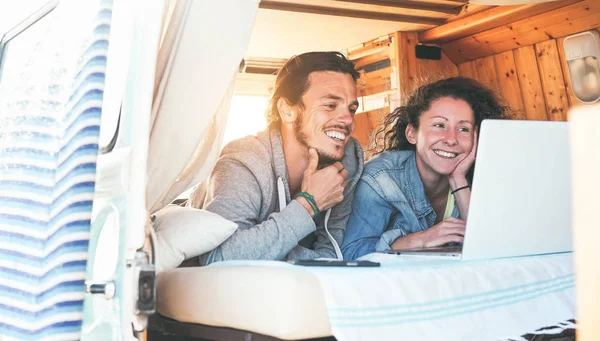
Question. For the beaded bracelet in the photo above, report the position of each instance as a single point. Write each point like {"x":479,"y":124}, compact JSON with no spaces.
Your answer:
{"x":311,"y":202}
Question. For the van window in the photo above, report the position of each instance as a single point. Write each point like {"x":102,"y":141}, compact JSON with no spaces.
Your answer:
{"x":246,"y":117}
{"x":22,"y":28}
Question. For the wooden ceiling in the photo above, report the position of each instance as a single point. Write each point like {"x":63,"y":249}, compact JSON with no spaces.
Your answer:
{"x":429,"y":13}
{"x":284,"y":28}
{"x":464,"y":31}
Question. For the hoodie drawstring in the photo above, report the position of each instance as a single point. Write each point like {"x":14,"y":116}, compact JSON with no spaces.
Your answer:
{"x":282,"y":204}
{"x":336,"y":247}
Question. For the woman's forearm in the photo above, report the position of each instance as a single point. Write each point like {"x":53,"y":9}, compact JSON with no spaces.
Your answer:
{"x":410,"y":241}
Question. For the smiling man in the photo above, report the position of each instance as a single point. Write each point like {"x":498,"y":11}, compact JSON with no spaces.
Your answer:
{"x":290,"y":187}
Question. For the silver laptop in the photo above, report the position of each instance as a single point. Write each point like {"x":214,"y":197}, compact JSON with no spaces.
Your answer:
{"x":521,"y":193}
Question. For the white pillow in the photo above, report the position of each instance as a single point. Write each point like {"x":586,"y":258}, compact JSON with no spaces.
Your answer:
{"x":185,"y":232}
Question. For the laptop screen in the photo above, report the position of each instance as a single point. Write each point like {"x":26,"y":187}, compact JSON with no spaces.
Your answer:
{"x":521,"y":194}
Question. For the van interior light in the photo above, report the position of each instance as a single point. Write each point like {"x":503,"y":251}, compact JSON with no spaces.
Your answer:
{"x":582,"y":52}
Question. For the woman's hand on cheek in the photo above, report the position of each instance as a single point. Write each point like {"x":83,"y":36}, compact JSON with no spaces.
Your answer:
{"x":462,"y":168}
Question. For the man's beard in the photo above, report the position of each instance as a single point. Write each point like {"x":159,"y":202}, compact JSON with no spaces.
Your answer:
{"x":325,"y":159}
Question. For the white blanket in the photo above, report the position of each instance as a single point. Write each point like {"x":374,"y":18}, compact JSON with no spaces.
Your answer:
{"x":429,"y":298}
{"x":416,"y":298}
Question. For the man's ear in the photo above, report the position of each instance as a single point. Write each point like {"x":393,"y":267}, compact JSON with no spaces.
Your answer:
{"x":411,"y":134}
{"x":286,"y":112}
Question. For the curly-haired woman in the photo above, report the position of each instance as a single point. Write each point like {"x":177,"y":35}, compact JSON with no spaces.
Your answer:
{"x":415,"y":193}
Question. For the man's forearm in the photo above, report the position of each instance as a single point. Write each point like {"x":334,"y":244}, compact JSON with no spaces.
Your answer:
{"x":272,"y":239}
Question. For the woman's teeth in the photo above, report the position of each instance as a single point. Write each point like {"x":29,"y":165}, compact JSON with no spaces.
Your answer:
{"x":445,"y":154}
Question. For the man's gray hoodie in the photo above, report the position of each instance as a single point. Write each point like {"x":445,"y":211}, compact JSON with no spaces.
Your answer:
{"x":243,"y":188}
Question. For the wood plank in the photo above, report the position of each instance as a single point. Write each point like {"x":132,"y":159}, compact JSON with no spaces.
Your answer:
{"x":468,"y":70}
{"x":362,"y":130}
{"x":468,"y":10}
{"x":434,"y":70}
{"x":459,"y":1}
{"x":376,"y":117}
{"x":382,"y":54}
{"x":380,"y":74}
{"x":372,"y":46}
{"x":530,"y":83}
{"x":376,"y":82}
{"x":407,"y":64}
{"x":373,"y":89}
{"x":557,"y":23}
{"x":367,"y":123}
{"x":414,"y":72}
{"x":393,"y":52}
{"x":486,"y":72}
{"x":397,"y":64}
{"x":532,"y":37}
{"x":449,"y":8}
{"x":486,"y":20}
{"x":508,"y":83}
{"x":540,"y":27}
{"x":552,"y":79}
{"x":536,"y":24}
{"x":343,"y":12}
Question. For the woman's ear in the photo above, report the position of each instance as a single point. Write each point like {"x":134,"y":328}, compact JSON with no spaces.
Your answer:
{"x":286,"y":112}
{"x":411,"y":134}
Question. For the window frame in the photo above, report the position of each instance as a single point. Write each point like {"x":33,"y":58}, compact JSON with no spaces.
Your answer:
{"x":24,"y":25}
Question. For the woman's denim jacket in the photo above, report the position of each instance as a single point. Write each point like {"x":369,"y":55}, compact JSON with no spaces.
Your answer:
{"x":389,"y":202}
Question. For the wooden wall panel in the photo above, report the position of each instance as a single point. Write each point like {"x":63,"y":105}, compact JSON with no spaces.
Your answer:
{"x":363,"y":128}
{"x":376,"y":116}
{"x":407,"y":63}
{"x":486,"y":72}
{"x":414,"y":72}
{"x":376,"y":119}
{"x":533,"y":80}
{"x":553,"y":82}
{"x":433,"y":70}
{"x":367,"y":124}
{"x":468,"y":70}
{"x":508,"y":82}
{"x":530,"y":83}
{"x":510,"y":41}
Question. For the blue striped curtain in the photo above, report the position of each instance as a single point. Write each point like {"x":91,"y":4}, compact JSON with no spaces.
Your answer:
{"x":49,"y":130}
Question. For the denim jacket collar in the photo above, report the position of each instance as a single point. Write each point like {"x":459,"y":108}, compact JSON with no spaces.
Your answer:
{"x":415,"y":189}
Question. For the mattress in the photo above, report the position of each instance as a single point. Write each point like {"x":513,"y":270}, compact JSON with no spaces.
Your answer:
{"x":283,"y":302}
{"x":412,"y":297}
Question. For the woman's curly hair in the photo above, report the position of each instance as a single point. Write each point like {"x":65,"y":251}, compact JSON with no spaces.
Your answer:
{"x":484,"y":103}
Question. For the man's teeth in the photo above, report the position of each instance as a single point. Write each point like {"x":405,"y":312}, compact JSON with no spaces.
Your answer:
{"x":336,"y":135}
{"x":445,"y":154}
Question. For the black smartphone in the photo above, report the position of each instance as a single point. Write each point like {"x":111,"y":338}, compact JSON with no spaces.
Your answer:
{"x":352,"y":263}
